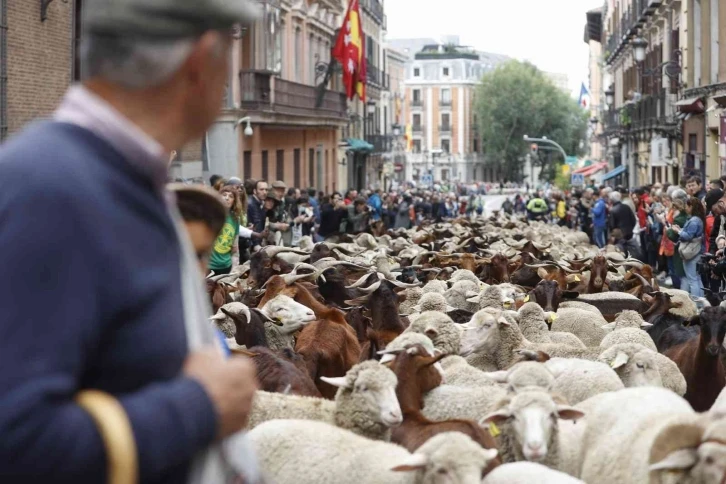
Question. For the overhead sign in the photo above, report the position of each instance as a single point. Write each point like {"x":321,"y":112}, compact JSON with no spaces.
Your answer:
{"x":571,"y":160}
{"x":427,"y":180}
{"x":577,"y":180}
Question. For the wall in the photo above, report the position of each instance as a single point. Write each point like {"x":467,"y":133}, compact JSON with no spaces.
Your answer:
{"x":39,"y":59}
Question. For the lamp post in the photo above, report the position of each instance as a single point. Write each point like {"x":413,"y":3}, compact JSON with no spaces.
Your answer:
{"x":544,"y":140}
{"x":610,"y":96}
{"x":671,"y":67}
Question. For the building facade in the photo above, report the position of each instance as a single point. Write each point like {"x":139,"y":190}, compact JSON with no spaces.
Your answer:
{"x":440,"y":88}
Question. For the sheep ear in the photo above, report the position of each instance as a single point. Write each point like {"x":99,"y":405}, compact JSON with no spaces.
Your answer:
{"x":620,"y":359}
{"x":387,"y":358}
{"x":645,"y":325}
{"x":677,"y":460}
{"x":497,"y":417}
{"x":569,"y":413}
{"x":490,"y":454}
{"x":414,"y":462}
{"x":609,"y":326}
{"x":340,"y":382}
{"x":503,"y":321}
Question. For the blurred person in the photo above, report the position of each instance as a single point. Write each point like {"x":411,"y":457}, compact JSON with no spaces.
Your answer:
{"x":403,"y":217}
{"x":692,"y":231}
{"x":227,"y":244}
{"x":282,"y":214}
{"x":358,"y":215}
{"x":678,"y":217}
{"x":376,"y":203}
{"x":214,"y":179}
{"x":119,"y":275}
{"x":715,"y":185}
{"x":332,"y":212}
{"x":622,"y":217}
{"x":255,"y":209}
{"x":694,"y":187}
{"x":599,"y":220}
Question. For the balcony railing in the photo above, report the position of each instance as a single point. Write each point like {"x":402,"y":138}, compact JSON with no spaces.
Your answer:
{"x":264,"y":91}
{"x":381,"y":143}
{"x":375,"y":9}
{"x":417,"y":128}
{"x":445,"y":128}
{"x":445,"y":102}
{"x":417,"y":103}
{"x":627,"y":26}
{"x":377,"y":76}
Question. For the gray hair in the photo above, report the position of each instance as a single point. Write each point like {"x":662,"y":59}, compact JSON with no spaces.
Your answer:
{"x":133,"y":63}
{"x":615,"y":196}
{"x":679,"y":195}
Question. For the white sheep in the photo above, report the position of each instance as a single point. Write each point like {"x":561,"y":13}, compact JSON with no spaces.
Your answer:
{"x":582,"y":323}
{"x":528,"y":423}
{"x":413,"y":294}
{"x":433,"y":301}
{"x":621,"y":429}
{"x":458,"y":372}
{"x":365,"y":403}
{"x":528,"y":473}
{"x":457,"y":295}
{"x":687,"y":308}
{"x":463,"y":275}
{"x":533,"y":326}
{"x":580,"y":305}
{"x":443,"y":332}
{"x":578,"y":380}
{"x":627,"y":319}
{"x":640,"y":366}
{"x":628,"y":335}
{"x":305,"y":452}
{"x":435,"y":286}
{"x":284,"y":315}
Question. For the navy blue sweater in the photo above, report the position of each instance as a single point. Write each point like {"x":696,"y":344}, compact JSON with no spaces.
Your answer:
{"x":90,"y":297}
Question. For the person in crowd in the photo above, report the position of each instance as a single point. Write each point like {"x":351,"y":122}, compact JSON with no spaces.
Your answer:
{"x":271,"y":207}
{"x":119,"y":274}
{"x":622,"y":217}
{"x":388,"y":210}
{"x":204,"y":214}
{"x":537,"y":208}
{"x":350,"y":196}
{"x":508,"y":206}
{"x":584,"y":207}
{"x":403,"y":217}
{"x":679,"y":218}
{"x":376,"y":203}
{"x":599,"y":219}
{"x":642,"y":210}
{"x":560,"y":209}
{"x":715,"y":184}
{"x":245,"y":234}
{"x":332,"y":212}
{"x":693,"y":230}
{"x":303,"y":219}
{"x":282,"y":214}
{"x":358,"y":216}
{"x":256,"y":210}
{"x":694,"y":187}
{"x":214,"y":179}
{"x":667,"y":247}
{"x":519,"y":205}
{"x":226,"y":245}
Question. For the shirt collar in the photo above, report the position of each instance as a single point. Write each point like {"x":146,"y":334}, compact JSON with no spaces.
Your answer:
{"x":83,"y":108}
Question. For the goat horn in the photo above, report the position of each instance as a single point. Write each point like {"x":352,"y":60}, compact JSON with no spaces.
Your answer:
{"x":359,"y":282}
{"x":402,"y":284}
{"x":292,"y":278}
{"x":273,"y":250}
{"x":370,"y":289}
{"x":302,"y":265}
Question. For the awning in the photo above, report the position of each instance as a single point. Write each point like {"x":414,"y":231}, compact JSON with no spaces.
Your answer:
{"x":691,"y":105}
{"x":591,"y":170}
{"x":359,"y":145}
{"x":613,"y":173}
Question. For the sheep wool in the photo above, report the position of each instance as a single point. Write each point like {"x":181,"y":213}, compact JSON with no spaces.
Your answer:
{"x":351,"y":410}
{"x":307,"y":452}
{"x":443,"y":332}
{"x":413,"y":294}
{"x":435,"y":286}
{"x":636,"y":365}
{"x":447,"y":402}
{"x":688,"y":308}
{"x":628,"y":335}
{"x":460,"y":373}
{"x":456,"y":296}
{"x":582,"y":323}
{"x":580,"y":305}
{"x":577,"y":380}
{"x":528,"y":473}
{"x":464,"y":275}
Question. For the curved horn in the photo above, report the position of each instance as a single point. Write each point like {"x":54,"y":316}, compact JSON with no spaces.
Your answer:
{"x":360,"y":281}
{"x":273,"y":250}
{"x":303,"y":265}
{"x":643,"y":281}
{"x":292,"y":278}
{"x":370,"y":289}
{"x":402,"y":284}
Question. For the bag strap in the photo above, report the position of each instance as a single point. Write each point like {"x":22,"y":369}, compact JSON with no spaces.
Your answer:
{"x":118,"y":438}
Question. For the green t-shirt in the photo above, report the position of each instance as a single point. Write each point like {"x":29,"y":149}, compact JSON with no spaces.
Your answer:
{"x":221,"y":257}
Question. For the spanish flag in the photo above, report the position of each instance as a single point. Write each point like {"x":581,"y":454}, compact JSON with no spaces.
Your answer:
{"x":349,"y":51}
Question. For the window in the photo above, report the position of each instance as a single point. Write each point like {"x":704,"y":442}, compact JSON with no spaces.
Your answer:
{"x":299,"y":56}
{"x":296,"y":168}
{"x":311,"y":167}
{"x":326,"y":171}
{"x":417,"y":120}
{"x":476,"y":145}
{"x":416,"y":72}
{"x":444,"y":175}
{"x":446,"y":71}
{"x":280,"y":166}
{"x":416,"y":93}
{"x":417,"y":146}
{"x":273,"y":35}
{"x":446,"y":97}
{"x":446,"y":120}
{"x":265,"y":166}
{"x":446,"y":145}
{"x":247,"y":165}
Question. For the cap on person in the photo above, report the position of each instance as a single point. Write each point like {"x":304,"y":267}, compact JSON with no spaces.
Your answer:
{"x":234,"y":181}
{"x":279,"y":184}
{"x":165,"y":18}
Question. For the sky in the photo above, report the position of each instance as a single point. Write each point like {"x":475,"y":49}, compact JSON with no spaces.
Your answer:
{"x":547,"y":34}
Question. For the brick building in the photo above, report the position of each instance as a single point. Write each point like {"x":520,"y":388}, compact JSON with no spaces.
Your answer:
{"x":37,"y":59}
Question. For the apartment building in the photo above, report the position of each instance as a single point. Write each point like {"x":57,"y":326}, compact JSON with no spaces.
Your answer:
{"x":642,"y":45}
{"x":396,"y":68}
{"x":593,"y":38}
{"x":441,"y":80}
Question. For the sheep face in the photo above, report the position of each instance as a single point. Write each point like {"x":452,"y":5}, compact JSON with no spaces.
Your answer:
{"x":481,"y":334}
{"x":449,"y":458}
{"x":373,"y":389}
{"x":711,"y":465}
{"x":635,"y":367}
{"x":290,"y":313}
{"x":533,"y":416}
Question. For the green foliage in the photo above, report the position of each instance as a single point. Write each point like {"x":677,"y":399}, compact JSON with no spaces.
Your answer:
{"x":562,"y":181}
{"x":517,"y":99}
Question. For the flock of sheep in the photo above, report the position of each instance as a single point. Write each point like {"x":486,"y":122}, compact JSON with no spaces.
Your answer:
{"x":476,"y":351}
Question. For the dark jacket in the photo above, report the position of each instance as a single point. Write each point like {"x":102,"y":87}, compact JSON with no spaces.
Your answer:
{"x":91,"y":298}
{"x":623,"y":218}
{"x":256,"y":214}
{"x":330,"y":219}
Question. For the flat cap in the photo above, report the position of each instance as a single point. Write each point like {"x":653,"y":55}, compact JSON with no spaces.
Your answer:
{"x":279,"y":184}
{"x":165,"y":18}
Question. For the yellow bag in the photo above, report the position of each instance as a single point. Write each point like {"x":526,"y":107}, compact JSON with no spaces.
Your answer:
{"x":118,"y":437}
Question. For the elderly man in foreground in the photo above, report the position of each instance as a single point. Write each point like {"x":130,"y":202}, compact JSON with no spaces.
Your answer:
{"x":99,"y":287}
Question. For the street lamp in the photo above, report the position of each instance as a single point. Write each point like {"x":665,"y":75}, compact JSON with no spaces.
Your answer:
{"x":610,"y":97}
{"x":639,"y":45}
{"x":396,"y":130}
{"x":248,"y":129}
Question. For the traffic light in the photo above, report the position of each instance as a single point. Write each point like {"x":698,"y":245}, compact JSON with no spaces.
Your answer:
{"x":534,"y":149}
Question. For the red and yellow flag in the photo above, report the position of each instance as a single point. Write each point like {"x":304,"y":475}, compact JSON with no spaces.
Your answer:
{"x":349,"y":50}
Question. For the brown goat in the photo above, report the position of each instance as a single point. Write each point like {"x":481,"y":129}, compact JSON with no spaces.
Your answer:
{"x":281,"y":371}
{"x":698,"y":359}
{"x":415,"y":373}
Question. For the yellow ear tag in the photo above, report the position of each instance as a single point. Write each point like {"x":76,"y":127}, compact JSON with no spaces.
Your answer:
{"x":494,"y":430}
{"x":526,"y":298}
{"x":577,"y":278}
{"x":612,"y":365}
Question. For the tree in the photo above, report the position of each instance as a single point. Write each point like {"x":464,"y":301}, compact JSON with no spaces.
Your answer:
{"x":517,"y":99}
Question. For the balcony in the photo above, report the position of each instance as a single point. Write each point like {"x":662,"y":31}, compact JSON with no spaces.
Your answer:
{"x":377,"y":77}
{"x":445,"y":103}
{"x":375,"y":9}
{"x":381,"y":143}
{"x":264,"y":92}
{"x":445,"y":128}
{"x":417,"y":103}
{"x":417,"y":128}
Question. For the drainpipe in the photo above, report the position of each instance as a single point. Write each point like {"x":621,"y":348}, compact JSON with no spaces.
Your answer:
{"x":3,"y":70}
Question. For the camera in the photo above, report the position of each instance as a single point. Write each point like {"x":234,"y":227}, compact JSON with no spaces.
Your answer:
{"x":706,"y":268}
